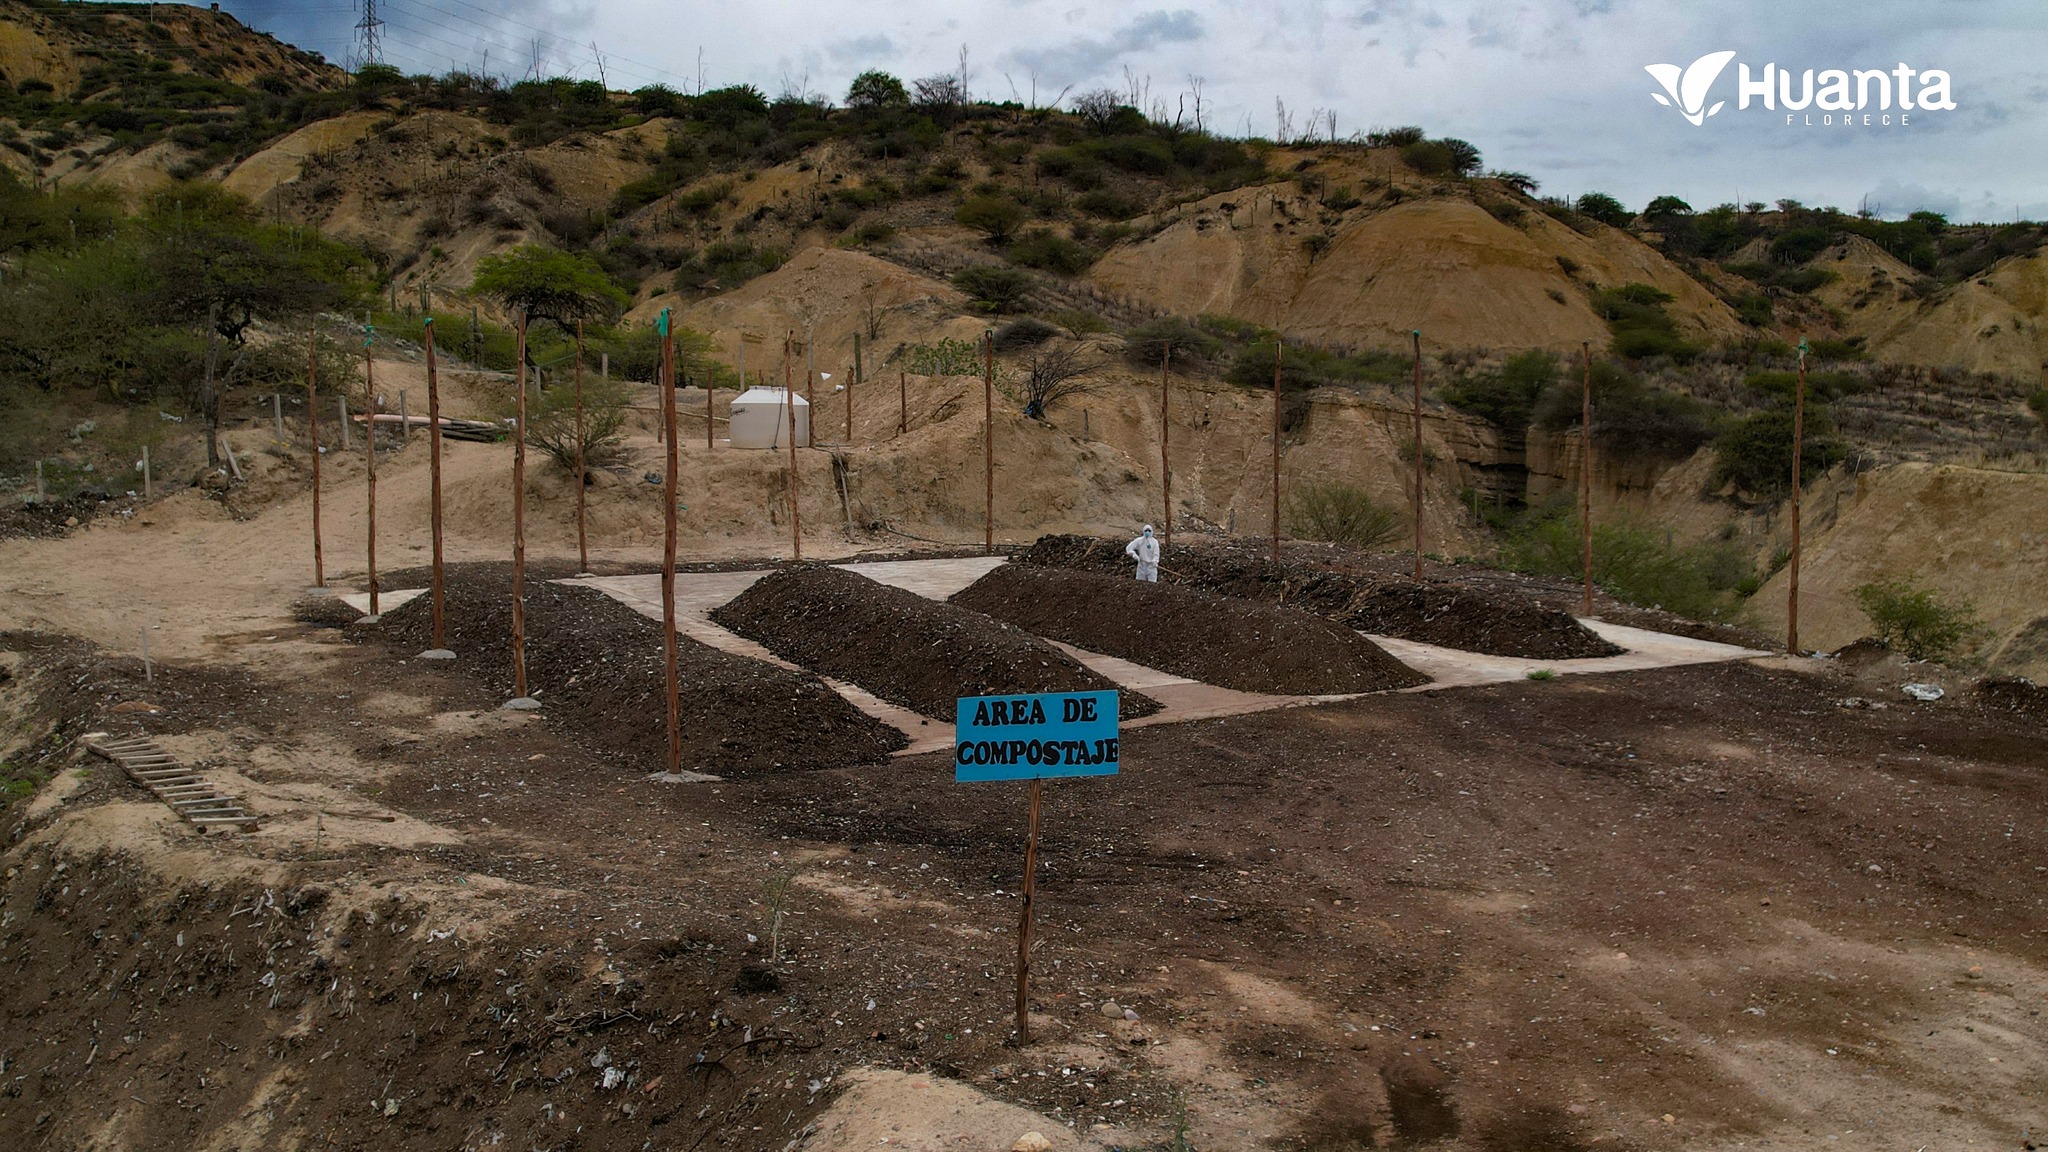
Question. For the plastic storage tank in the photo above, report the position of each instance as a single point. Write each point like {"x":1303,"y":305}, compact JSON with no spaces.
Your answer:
{"x":760,"y":419}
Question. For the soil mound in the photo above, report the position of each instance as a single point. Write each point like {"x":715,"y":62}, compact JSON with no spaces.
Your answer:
{"x":2015,"y":694}
{"x":1476,"y":621}
{"x":597,"y":666}
{"x":1212,"y":638}
{"x":916,"y":652}
{"x":1492,"y":620}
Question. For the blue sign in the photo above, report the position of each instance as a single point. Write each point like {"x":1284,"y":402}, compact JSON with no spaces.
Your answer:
{"x":1034,"y":737}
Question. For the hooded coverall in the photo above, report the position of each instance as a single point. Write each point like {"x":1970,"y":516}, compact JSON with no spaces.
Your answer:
{"x":1145,"y":550}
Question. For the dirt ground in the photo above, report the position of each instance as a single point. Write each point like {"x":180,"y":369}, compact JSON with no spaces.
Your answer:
{"x":1772,"y":903}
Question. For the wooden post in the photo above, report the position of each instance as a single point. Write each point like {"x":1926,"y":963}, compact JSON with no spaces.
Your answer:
{"x":148,"y":669}
{"x":1586,"y":474}
{"x":42,"y":493}
{"x":1417,"y":334}
{"x":148,"y":480}
{"x":796,"y":535}
{"x":1024,"y":922}
{"x":582,"y":477}
{"x":604,"y":367}
{"x":671,"y":671}
{"x":519,"y":517}
{"x":404,"y":421}
{"x":988,"y":442}
{"x":277,"y":415}
{"x":234,"y":465}
{"x":849,"y":387}
{"x":341,"y":407}
{"x":434,"y":482}
{"x":370,"y":456}
{"x":1278,"y":344}
{"x":313,"y":434}
{"x":1165,"y":461}
{"x":1798,"y":434}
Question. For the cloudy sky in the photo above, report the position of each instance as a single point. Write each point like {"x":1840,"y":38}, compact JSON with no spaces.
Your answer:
{"x":1552,"y":88}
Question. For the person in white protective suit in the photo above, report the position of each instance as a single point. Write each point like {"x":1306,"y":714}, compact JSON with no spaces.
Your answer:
{"x":1145,"y":550}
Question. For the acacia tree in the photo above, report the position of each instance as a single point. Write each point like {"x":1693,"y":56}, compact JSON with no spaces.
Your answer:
{"x":548,"y":284}
{"x":873,"y":89}
{"x":208,"y":259}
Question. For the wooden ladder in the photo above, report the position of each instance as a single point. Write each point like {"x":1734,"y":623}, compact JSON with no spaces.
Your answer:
{"x":198,"y":801}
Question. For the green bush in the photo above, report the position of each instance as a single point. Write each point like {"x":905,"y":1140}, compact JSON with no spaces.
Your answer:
{"x":1146,"y":344}
{"x":1641,"y":327}
{"x":1048,"y":250}
{"x":996,"y":217}
{"x":1027,"y":332}
{"x":1756,"y":451}
{"x":948,"y":357}
{"x":1917,"y":621}
{"x":1630,"y":418}
{"x":1507,"y":398}
{"x":1109,"y":205}
{"x":2039,"y":403}
{"x":1340,"y":514}
{"x":1637,"y":565}
{"x":993,"y":288}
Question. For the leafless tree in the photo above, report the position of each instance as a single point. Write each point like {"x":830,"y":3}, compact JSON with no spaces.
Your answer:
{"x":1283,"y":124}
{"x":1056,"y":374}
{"x":1098,"y":108}
{"x":599,"y":57}
{"x":871,"y":315}
{"x":1195,"y":86}
{"x":939,"y":92}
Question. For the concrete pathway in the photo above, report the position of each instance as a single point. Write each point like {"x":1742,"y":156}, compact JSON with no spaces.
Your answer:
{"x":387,"y":598}
{"x":1452,"y":668}
{"x":698,"y":593}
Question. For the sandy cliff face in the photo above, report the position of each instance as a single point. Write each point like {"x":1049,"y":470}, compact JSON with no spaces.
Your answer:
{"x":1445,"y":266}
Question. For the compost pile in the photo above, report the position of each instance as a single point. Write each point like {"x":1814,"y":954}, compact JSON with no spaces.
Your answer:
{"x":909,"y":650}
{"x":1445,"y":612}
{"x":1216,"y":639}
{"x":597,"y":667}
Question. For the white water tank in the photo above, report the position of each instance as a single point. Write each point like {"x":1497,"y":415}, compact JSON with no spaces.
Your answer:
{"x":761,"y":418}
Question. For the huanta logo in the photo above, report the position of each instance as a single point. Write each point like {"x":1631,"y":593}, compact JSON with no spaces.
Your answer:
{"x":1870,"y":92}
{"x":1688,"y":89}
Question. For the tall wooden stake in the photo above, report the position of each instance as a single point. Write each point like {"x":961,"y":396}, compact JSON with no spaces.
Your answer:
{"x":849,"y":387}
{"x":1417,"y":334}
{"x":519,"y":520}
{"x":902,"y":402}
{"x":434,"y":481}
{"x":1798,"y":434}
{"x":1277,"y":345}
{"x":1024,"y":924}
{"x":796,"y":534}
{"x":370,"y":457}
{"x":671,"y":672}
{"x":988,"y":443}
{"x":1165,"y":463}
{"x":1586,"y":474}
{"x":313,"y":433}
{"x":582,"y":478}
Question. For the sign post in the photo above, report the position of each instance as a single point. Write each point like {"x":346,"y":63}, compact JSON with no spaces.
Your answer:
{"x":1033,"y":737}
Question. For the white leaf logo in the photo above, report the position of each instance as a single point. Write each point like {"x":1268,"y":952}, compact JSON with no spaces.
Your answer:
{"x":1688,"y":89}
